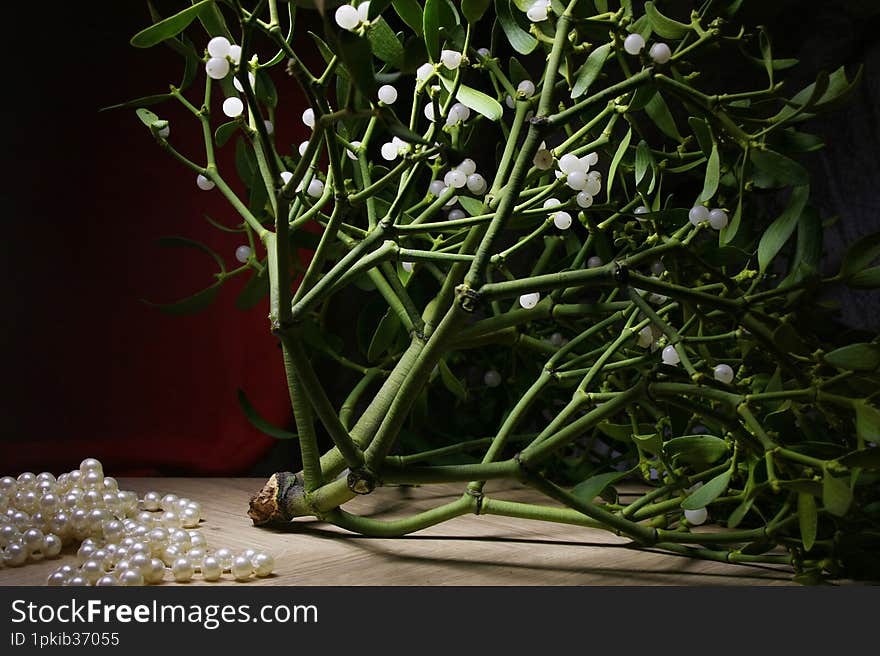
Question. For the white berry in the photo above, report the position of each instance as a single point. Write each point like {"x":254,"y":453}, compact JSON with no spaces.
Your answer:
{"x":352,"y":154}
{"x":364,"y":11}
{"x":724,"y":374}
{"x":233,"y":107}
{"x":389,"y":151}
{"x":584,"y":199}
{"x":455,"y":215}
{"x":315,"y":188}
{"x":492,"y":378}
{"x":286,"y":176}
{"x":455,"y":178}
{"x":660,"y":53}
{"x":576,"y":180}
{"x":235,"y":54}
{"x":698,"y":214}
{"x":526,"y":88}
{"x":204,"y":183}
{"x":696,"y":517}
{"x":476,"y":184}
{"x":424,"y":71}
{"x":218,"y":46}
{"x":551,"y":202}
{"x":646,"y":337}
{"x":451,"y":59}
{"x":270,"y":129}
{"x":467,"y":166}
{"x":670,"y":355}
{"x":562,"y":220}
{"x":640,"y":211}
{"x":634,"y":44}
{"x":528,"y":301}
{"x":217,"y":68}
{"x":537,"y":13}
{"x":347,"y":17}
{"x":483,"y":52}
{"x":718,"y":219}
{"x":569,"y":163}
{"x":594,"y":261}
{"x":243,"y":253}
{"x":301,"y":149}
{"x":436,"y":187}
{"x":387,"y":94}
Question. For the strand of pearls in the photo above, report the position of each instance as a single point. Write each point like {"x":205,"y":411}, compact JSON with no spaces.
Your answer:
{"x":122,"y":540}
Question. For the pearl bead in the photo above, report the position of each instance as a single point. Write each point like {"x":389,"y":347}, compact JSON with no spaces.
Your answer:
{"x":92,"y":570}
{"x":152,"y":501}
{"x":211,"y":569}
{"x":492,"y":378}
{"x":141,"y":562}
{"x":131,"y":577}
{"x":696,"y":517}
{"x":224,"y":556}
{"x":155,"y":572}
{"x":698,"y":214}
{"x":634,"y":44}
{"x":528,"y":301}
{"x":263,"y":563}
{"x":723,"y":373}
{"x":196,"y":557}
{"x":660,"y":53}
{"x":56,"y":578}
{"x":218,"y":46}
{"x":170,"y":519}
{"x":15,"y":555}
{"x":670,"y":355}
{"x":26,"y":480}
{"x":182,"y":569}
{"x":197,"y":540}
{"x":387,"y":94}
{"x":242,"y":568}
{"x":8,"y":484}
{"x":77,"y":580}
{"x":170,"y":554}
{"x":92,"y":480}
{"x":106,"y":581}
{"x":180,"y":538}
{"x":51,"y":545}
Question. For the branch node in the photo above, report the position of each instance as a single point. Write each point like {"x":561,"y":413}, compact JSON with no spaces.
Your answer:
{"x":362,"y":481}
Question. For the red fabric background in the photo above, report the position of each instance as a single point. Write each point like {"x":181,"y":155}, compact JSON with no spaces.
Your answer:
{"x":92,"y":370}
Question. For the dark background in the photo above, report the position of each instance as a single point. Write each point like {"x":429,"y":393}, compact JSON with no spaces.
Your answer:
{"x":88,"y":369}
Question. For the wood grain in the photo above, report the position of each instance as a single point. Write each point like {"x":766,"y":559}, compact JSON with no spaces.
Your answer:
{"x":469,"y":550}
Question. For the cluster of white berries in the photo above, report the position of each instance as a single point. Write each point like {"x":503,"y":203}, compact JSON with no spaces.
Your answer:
{"x":123,"y":541}
{"x":717,"y":218}
{"x":458,"y":113}
{"x":576,"y":171}
{"x":538,"y":11}
{"x":660,"y":53}
{"x":458,"y":177}
{"x":393,"y":149}
{"x":350,"y":18}
{"x":222,"y":56}
{"x":561,"y":218}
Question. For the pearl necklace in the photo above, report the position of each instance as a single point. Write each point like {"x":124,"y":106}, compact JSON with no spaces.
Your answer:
{"x":123,"y":540}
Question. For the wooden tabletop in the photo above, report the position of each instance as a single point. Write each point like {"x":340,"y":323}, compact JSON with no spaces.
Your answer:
{"x":469,"y":550}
